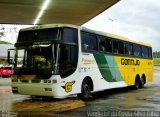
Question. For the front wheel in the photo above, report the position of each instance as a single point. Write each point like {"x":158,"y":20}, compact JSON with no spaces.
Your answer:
{"x":85,"y":90}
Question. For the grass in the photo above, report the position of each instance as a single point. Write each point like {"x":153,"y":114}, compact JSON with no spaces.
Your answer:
{"x":156,"y":61}
{"x":4,"y":42}
{"x":157,"y":68}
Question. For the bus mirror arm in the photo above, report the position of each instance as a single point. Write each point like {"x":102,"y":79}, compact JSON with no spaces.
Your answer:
{"x":9,"y":60}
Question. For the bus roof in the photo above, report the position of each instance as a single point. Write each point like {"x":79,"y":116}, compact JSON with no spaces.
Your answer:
{"x":115,"y":36}
{"x":85,"y":29}
{"x":48,"y":26}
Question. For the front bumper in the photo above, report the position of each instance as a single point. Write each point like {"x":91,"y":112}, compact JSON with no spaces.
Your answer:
{"x":39,"y":90}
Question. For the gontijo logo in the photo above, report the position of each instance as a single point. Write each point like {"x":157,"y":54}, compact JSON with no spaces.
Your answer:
{"x":68,"y":86}
{"x":130,"y":62}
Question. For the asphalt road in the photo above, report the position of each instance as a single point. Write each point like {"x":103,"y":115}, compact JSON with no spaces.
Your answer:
{"x":118,"y":102}
{"x":124,"y":102}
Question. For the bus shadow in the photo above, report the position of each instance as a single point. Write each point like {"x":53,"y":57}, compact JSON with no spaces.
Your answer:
{"x":110,"y":92}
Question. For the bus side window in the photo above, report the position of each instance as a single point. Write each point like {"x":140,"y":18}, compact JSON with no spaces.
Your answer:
{"x":115,"y":47}
{"x":145,"y":52}
{"x":121,"y":48}
{"x":108,"y":45}
{"x":89,"y":41}
{"x":150,"y":52}
{"x":137,"y":50}
{"x":85,"y":46}
{"x":102,"y":45}
{"x":128,"y":49}
{"x":68,"y":59}
{"x":85,"y":41}
{"x":70,"y":35}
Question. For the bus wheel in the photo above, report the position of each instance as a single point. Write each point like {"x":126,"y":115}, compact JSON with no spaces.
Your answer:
{"x":137,"y":83}
{"x":85,"y":90}
{"x":142,"y":82}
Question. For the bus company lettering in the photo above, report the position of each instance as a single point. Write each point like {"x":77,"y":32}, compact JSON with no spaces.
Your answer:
{"x":130,"y":62}
{"x":88,"y":61}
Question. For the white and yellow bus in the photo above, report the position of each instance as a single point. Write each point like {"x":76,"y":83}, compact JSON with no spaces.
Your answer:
{"x":59,"y":60}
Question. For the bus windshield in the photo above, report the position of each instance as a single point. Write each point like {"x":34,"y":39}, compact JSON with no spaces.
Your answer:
{"x":34,"y":60}
{"x":41,"y":58}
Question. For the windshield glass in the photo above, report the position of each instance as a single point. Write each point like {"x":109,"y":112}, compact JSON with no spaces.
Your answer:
{"x":41,"y":35}
{"x":45,"y":57}
{"x":38,"y":57}
{"x":34,"y":60}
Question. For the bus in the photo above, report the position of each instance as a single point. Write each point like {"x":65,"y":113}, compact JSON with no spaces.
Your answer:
{"x":61,"y":60}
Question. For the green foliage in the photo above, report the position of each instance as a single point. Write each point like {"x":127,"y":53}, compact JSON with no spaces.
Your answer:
{"x":4,"y":42}
{"x":156,"y":61}
{"x":4,"y":62}
{"x":156,"y":54}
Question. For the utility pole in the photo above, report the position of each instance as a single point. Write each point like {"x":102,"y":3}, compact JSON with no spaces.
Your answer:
{"x":112,"y":21}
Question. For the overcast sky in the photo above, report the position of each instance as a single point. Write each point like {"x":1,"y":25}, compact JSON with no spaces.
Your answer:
{"x":135,"y":19}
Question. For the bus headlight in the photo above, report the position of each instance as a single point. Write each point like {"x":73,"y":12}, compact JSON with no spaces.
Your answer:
{"x":54,"y":81}
{"x":47,"y":81}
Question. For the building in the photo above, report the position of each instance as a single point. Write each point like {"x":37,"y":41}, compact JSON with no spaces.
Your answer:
{"x":3,"y":52}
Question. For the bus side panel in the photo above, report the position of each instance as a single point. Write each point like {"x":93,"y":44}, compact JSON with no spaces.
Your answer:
{"x":147,"y":69}
{"x":107,"y":67}
{"x":131,"y":67}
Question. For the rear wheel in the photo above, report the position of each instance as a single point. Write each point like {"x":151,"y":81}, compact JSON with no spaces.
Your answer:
{"x":142,"y":82}
{"x":85,"y":90}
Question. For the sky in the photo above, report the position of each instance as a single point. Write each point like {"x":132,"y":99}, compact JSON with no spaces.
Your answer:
{"x":135,"y":19}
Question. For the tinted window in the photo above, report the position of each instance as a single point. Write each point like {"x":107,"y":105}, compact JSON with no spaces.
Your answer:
{"x":105,"y":44}
{"x":137,"y":50}
{"x":118,"y":47}
{"x":70,"y":35}
{"x":102,"y":43}
{"x":89,"y":41}
{"x":38,"y":35}
{"x":26,"y":36}
{"x":150,"y":52}
{"x":115,"y":47}
{"x":145,"y":52}
{"x":128,"y":48}
{"x":46,"y":34}
{"x":68,"y":59}
{"x":108,"y":45}
{"x":121,"y":48}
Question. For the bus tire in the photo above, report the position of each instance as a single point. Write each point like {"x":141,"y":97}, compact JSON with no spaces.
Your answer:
{"x":85,"y":90}
{"x":137,"y":83}
{"x":142,"y":82}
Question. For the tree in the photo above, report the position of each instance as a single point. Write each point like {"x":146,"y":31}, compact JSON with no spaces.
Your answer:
{"x":1,"y":35}
{"x":156,"y":54}
{"x":6,"y":30}
{"x":2,"y":32}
